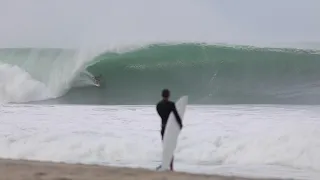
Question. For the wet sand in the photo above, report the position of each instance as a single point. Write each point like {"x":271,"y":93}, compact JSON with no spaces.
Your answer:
{"x":35,"y":170}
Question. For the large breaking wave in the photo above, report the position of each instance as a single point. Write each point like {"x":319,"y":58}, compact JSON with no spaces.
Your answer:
{"x":209,"y":74}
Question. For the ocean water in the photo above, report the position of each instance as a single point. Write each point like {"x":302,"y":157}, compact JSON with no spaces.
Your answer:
{"x":252,"y":111}
{"x":207,"y":73}
{"x":279,"y":141}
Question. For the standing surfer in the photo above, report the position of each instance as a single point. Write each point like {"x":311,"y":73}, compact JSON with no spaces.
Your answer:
{"x":164,"y":108}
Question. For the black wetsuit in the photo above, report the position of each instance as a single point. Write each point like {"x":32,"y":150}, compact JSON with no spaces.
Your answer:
{"x":164,"y":109}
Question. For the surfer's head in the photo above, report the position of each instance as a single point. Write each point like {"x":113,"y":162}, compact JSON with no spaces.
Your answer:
{"x":165,"y":94}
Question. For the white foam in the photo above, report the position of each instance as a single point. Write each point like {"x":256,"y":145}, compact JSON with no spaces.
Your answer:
{"x":49,"y":73}
{"x":239,"y":140}
{"x":16,"y":85}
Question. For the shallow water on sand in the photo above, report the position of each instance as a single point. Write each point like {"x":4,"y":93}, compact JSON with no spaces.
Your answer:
{"x":244,"y":140}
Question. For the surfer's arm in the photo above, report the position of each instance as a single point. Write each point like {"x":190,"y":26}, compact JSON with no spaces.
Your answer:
{"x":174,"y":109}
{"x":158,"y":109}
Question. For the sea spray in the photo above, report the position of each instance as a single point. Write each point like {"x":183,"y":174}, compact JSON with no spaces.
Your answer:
{"x":48,"y":73}
{"x":16,"y":85}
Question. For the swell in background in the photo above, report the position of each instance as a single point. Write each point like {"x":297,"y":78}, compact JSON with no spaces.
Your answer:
{"x":209,"y":74}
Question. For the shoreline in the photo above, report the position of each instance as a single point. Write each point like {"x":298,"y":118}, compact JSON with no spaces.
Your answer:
{"x":15,"y":169}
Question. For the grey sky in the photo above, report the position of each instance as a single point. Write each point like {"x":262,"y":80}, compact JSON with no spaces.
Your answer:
{"x":74,"y":23}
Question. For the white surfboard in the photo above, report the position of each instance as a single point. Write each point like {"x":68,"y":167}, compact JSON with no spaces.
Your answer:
{"x":98,"y":85}
{"x":171,"y":134}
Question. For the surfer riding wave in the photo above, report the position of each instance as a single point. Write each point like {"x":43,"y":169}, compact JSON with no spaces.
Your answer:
{"x":97,"y":80}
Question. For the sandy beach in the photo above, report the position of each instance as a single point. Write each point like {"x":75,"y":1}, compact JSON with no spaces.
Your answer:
{"x":35,"y":170}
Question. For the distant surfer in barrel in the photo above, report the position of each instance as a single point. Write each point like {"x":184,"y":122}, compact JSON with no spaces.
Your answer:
{"x":164,"y":108}
{"x":97,"y":79}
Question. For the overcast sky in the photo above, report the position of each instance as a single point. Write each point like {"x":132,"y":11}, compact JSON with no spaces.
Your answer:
{"x":74,"y":23}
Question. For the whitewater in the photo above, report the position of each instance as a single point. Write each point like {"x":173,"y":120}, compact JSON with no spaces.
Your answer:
{"x":240,"y":140}
{"x":43,"y":74}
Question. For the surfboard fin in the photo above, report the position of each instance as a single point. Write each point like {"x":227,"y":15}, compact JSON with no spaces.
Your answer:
{"x":159,"y":168}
